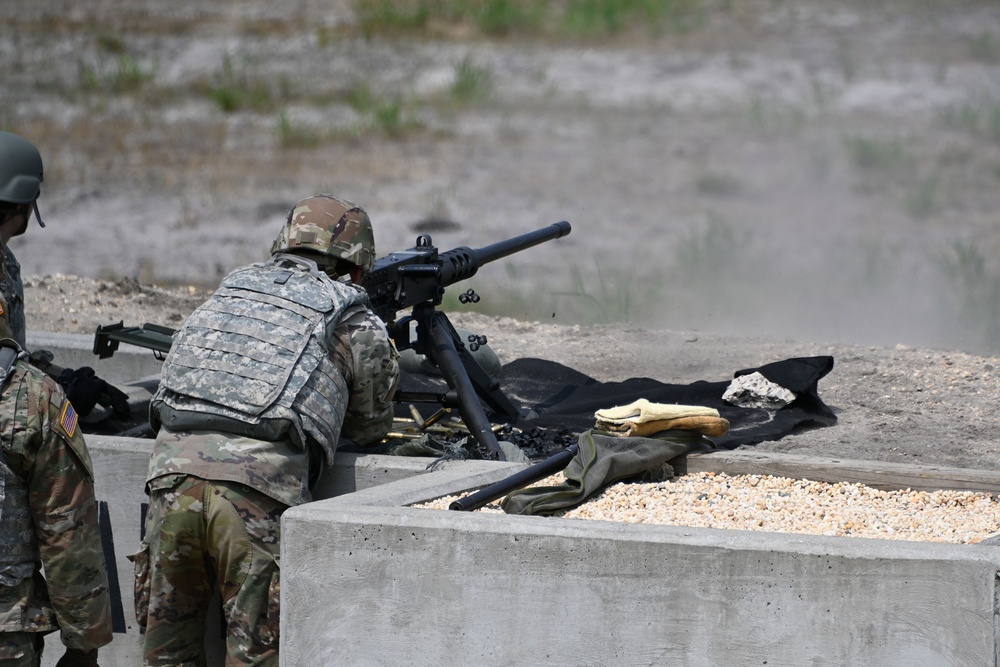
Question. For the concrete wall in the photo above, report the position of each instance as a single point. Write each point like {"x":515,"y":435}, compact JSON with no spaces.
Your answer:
{"x":120,"y":472}
{"x":372,"y":583}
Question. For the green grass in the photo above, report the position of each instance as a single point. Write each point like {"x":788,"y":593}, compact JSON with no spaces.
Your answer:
{"x":235,"y":88}
{"x":291,"y":135}
{"x":593,"y":296}
{"x":985,"y":47}
{"x":608,"y":297}
{"x":111,"y":44}
{"x":924,"y":197}
{"x":390,"y":117}
{"x":589,"y":18}
{"x":124,"y":74}
{"x":717,"y":184}
{"x":472,"y":83}
{"x":973,"y":279}
{"x":979,"y":118}
{"x":702,"y":267}
{"x":520,"y":18}
{"x":876,"y":154}
{"x":393,"y":120}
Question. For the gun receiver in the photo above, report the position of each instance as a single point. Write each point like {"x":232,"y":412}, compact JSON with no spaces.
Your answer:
{"x":407,"y":278}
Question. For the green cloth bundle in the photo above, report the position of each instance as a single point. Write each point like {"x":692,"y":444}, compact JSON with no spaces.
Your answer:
{"x":604,"y":459}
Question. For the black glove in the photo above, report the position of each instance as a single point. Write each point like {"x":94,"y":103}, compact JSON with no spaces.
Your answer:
{"x":74,"y":657}
{"x":85,"y":390}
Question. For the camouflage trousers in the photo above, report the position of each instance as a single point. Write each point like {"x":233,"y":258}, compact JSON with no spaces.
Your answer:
{"x":21,"y":649}
{"x":201,"y":533}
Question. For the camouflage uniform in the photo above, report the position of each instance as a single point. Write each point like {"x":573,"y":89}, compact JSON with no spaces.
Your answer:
{"x":48,"y":519}
{"x":12,"y":291}
{"x":223,"y":471}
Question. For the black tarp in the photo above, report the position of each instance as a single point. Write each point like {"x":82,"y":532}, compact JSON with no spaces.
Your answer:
{"x":564,"y":398}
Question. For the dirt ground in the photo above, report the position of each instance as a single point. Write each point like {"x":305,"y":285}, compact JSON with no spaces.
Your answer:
{"x":781,"y":179}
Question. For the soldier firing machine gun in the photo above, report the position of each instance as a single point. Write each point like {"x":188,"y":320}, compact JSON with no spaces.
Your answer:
{"x":413,"y":279}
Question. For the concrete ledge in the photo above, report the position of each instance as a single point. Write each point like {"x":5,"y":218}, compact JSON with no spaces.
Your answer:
{"x":364,"y":584}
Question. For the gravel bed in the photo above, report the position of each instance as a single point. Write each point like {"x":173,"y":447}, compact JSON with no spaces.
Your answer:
{"x":784,"y":505}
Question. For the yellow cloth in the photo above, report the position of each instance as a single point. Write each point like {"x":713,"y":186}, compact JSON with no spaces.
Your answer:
{"x":642,"y":418}
{"x":707,"y":425}
{"x":643,"y":411}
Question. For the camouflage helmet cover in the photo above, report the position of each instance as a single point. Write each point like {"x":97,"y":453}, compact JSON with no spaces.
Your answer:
{"x":330,"y":226}
{"x":20,"y":169}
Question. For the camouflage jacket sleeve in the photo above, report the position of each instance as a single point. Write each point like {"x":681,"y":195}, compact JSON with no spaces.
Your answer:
{"x":48,"y":443}
{"x":12,"y":290}
{"x":368,"y":358}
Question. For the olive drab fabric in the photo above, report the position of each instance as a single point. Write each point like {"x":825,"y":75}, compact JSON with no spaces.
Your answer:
{"x":602,"y":460}
{"x":333,"y":227}
{"x":267,"y":327}
{"x":47,"y":470}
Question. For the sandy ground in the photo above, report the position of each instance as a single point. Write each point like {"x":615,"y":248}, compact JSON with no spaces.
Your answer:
{"x":783,"y":179}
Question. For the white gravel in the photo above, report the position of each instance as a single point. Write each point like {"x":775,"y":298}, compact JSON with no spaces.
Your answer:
{"x":783,"y":505}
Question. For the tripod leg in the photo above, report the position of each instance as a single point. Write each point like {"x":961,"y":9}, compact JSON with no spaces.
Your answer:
{"x":444,"y":352}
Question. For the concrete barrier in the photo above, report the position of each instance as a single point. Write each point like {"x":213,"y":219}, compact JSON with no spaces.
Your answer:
{"x":120,"y":473}
{"x":366,"y":581}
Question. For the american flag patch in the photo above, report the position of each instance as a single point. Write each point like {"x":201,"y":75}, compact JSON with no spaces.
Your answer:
{"x":69,"y":419}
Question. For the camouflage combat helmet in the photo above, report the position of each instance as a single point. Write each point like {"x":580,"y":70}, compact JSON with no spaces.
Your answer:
{"x":20,"y":170}
{"x":333,"y":227}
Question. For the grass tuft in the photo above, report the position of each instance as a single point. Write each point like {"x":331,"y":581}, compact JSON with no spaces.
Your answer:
{"x":235,"y":89}
{"x":124,"y":75}
{"x":472,"y":83}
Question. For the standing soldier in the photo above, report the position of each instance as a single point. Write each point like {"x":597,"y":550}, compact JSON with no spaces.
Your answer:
{"x":48,"y":518}
{"x":260,"y":384}
{"x":21,"y":176}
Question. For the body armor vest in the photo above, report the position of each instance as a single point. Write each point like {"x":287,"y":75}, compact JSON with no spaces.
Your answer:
{"x":254,"y":359}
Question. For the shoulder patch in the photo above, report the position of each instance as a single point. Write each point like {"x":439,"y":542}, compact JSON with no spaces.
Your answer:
{"x":69,"y":419}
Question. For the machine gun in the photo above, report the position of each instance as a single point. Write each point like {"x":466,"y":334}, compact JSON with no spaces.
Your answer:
{"x":416,"y":279}
{"x":413,"y":279}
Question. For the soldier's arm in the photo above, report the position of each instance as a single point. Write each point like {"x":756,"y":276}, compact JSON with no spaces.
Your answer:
{"x":372,"y":378}
{"x":65,"y":513}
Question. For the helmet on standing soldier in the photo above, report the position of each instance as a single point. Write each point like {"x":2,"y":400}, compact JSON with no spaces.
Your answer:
{"x":20,"y":170}
{"x":330,"y":229}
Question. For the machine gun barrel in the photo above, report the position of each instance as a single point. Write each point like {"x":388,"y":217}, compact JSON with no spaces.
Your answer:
{"x":462,"y":262}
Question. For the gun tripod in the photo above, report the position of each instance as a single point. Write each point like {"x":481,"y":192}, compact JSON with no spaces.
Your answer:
{"x":470,"y":385}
